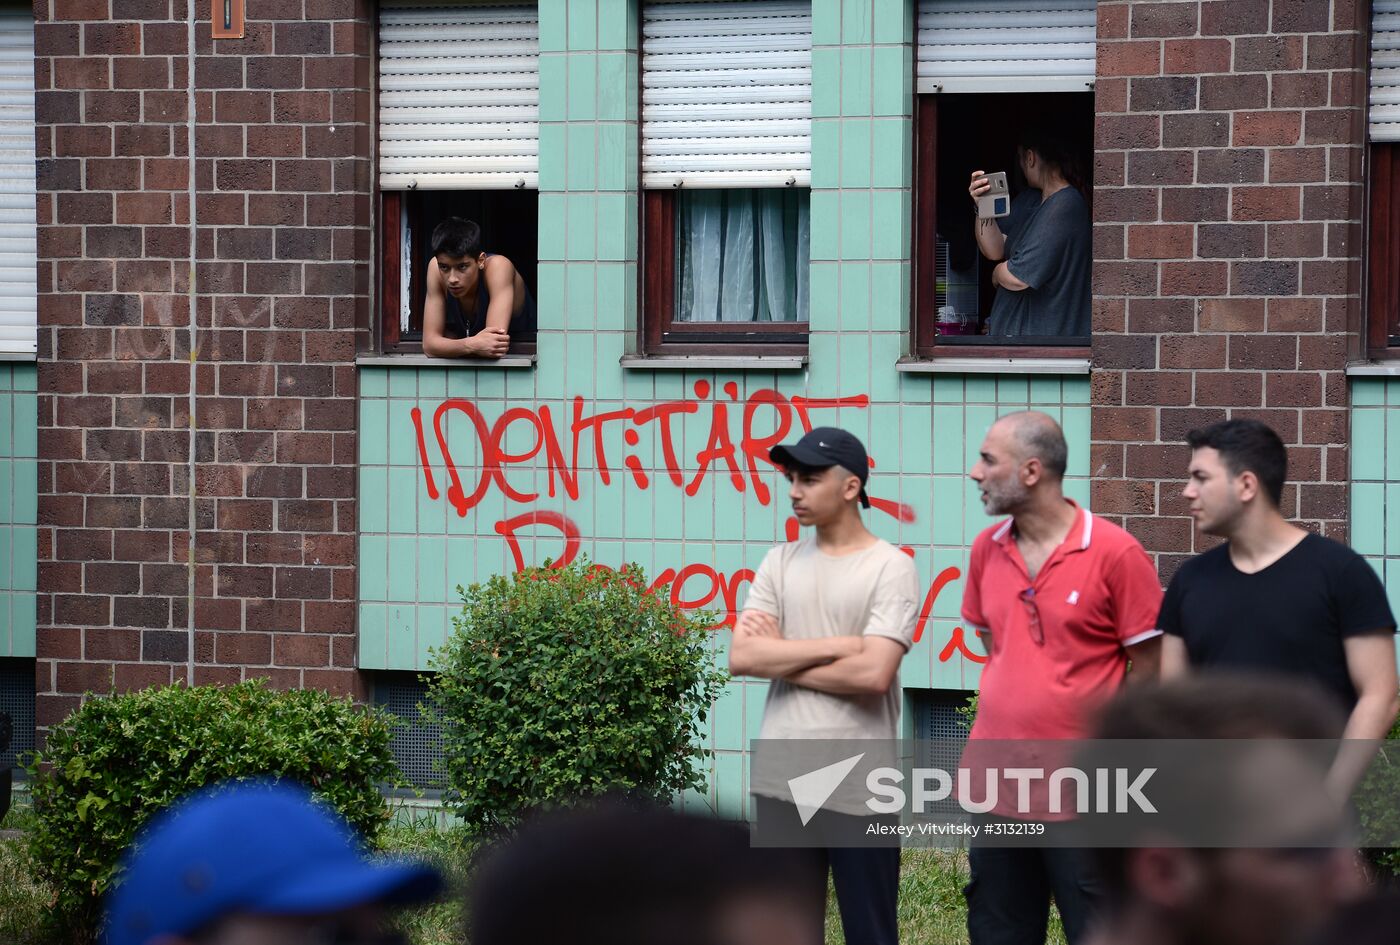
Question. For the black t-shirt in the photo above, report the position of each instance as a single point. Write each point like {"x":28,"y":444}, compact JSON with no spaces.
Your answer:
{"x":1289,"y":618}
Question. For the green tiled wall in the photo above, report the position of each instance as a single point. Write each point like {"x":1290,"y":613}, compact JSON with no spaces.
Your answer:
{"x":922,"y":431}
{"x":1375,"y":477}
{"x":19,"y":497}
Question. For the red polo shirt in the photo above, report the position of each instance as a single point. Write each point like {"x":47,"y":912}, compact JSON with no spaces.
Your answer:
{"x":1096,"y":594}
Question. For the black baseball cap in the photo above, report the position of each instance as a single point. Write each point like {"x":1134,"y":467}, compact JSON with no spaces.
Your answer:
{"x":823,"y":448}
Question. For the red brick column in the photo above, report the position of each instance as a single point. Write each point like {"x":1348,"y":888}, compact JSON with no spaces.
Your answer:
{"x":282,"y":282}
{"x":1226,"y":232}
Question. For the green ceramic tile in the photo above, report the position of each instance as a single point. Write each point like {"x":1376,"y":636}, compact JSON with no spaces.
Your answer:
{"x":403,"y":383}
{"x":550,"y":291}
{"x":579,"y":365}
{"x":916,"y":434}
{"x":613,"y":92}
{"x":8,"y":644}
{"x":949,"y":449}
{"x":23,"y":620}
{"x":401,"y":580}
{"x":613,"y":225}
{"x":432,"y":568}
{"x":583,"y":25}
{"x":7,"y":491}
{"x":892,"y":148}
{"x":373,"y":504}
{"x":826,"y":152}
{"x":579,"y":296}
{"x":980,"y":389}
{"x":374,"y":382}
{"x":891,"y":230}
{"x":520,"y":385}
{"x":25,"y":432}
{"x":614,"y":157}
{"x":463,"y":384}
{"x":893,"y":22}
{"x":855,"y":21}
{"x":432,"y":385}
{"x":554,"y":26}
{"x":855,"y":296}
{"x":916,"y":670}
{"x":404,"y":483}
{"x":554,"y":88}
{"x":1013,"y":389}
{"x":374,"y":432}
{"x":826,"y":223}
{"x":25,"y":377}
{"x":825,"y":295}
{"x":947,"y":389}
{"x":1392,"y":518}
{"x":1391,"y":579}
{"x":614,"y":20}
{"x":826,"y":82}
{"x":826,"y":22}
{"x":401,"y":629}
{"x":1044,"y":391}
{"x":461,"y":566}
{"x":889,"y":306}
{"x":727,"y":718}
{"x":553,"y":155}
{"x":892,"y":77}
{"x":611,"y":302}
{"x":1078,"y":489}
{"x":403,"y":437}
{"x":553,"y":220}
{"x":1367,"y":391}
{"x":582,"y":226}
{"x":855,"y":152}
{"x":855,"y":224}
{"x":1368,"y":518}
{"x":433,"y":627}
{"x":946,"y":514}
{"x":1076,"y":389}
{"x":372,"y":633}
{"x":855,"y":80}
{"x":7,"y":550}
{"x":728,"y":787}
{"x":583,"y":87}
{"x":755,"y":697}
{"x":582,"y":156}
{"x":1368,"y":443}
{"x":24,"y":557}
{"x":886,"y":384}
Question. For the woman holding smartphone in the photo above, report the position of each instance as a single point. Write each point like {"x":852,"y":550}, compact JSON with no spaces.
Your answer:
{"x":1043,"y":249}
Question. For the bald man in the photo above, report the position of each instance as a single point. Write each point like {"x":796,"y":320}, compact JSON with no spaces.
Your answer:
{"x":1065,"y":603}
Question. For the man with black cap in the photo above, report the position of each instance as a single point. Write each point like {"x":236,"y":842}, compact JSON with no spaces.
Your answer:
{"x":828,"y":619}
{"x":257,"y":863}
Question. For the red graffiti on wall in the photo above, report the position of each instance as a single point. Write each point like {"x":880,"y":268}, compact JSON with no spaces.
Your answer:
{"x":766,"y":418}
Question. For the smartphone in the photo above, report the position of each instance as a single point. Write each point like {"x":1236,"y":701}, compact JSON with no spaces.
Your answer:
{"x":997,"y":201}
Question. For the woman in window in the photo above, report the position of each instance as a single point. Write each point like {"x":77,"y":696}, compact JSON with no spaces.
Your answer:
{"x":1043,"y":249}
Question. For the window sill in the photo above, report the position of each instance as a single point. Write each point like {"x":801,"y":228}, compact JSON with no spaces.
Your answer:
{"x":992,"y":365}
{"x":713,"y":362}
{"x":1378,"y":368}
{"x":423,"y":360}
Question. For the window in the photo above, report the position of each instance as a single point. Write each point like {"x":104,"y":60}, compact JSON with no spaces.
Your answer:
{"x":726,"y":171}
{"x":19,"y":301}
{"x":1383,"y":211}
{"x":984,"y":79}
{"x":458,"y":136}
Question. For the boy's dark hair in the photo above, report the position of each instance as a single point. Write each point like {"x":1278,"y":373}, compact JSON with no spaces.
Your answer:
{"x":457,"y":238}
{"x":1247,"y":445}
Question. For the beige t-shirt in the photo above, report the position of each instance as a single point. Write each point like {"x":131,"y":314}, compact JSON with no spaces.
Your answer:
{"x":873,"y":592}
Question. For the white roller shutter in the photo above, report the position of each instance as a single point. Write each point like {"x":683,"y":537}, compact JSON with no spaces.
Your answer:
{"x":1385,"y":70}
{"x":458,"y":96}
{"x":727,"y":94}
{"x":1006,"y":45}
{"x":19,"y":308}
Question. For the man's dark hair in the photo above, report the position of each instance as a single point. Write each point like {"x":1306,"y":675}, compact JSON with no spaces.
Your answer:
{"x":457,"y":238}
{"x":1247,"y":446}
{"x":618,"y":873}
{"x":1052,"y":147}
{"x":1210,"y":705}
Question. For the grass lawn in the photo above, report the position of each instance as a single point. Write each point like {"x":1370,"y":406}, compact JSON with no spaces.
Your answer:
{"x":931,"y":908}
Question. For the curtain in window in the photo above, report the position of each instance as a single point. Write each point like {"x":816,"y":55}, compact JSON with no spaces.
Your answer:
{"x":742,"y":255}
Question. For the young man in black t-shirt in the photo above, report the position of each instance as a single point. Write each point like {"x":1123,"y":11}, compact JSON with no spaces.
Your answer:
{"x":1275,"y":597}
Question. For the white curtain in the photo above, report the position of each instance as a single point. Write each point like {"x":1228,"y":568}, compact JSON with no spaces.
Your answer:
{"x":742,"y":255}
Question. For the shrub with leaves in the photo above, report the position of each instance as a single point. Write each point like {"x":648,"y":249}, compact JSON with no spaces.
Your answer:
{"x":116,"y":761}
{"x":563,"y":683}
{"x":1377,"y":803}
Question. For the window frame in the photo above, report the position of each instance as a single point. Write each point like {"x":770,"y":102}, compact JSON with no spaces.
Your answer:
{"x":1382,"y":284}
{"x":660,"y":333}
{"x":924,"y":339}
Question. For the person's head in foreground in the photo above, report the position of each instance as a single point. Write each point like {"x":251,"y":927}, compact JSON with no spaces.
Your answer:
{"x":827,"y":469}
{"x":1161,"y":892}
{"x":1237,"y":472}
{"x":614,"y":874}
{"x":1021,"y":464}
{"x":257,"y":863}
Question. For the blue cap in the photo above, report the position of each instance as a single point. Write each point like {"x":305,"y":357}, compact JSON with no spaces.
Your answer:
{"x":254,"y":847}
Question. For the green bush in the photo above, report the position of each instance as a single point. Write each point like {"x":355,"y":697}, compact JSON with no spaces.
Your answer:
{"x":564,"y":683}
{"x":1377,"y":802}
{"x":116,"y":761}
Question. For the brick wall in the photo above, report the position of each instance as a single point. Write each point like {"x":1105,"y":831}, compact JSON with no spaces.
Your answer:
{"x":282,"y":279}
{"x":1227,"y":275}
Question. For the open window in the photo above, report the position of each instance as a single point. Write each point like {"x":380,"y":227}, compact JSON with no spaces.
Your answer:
{"x":984,"y":78}
{"x":1383,"y":209}
{"x":458,"y":136}
{"x":726,"y":172}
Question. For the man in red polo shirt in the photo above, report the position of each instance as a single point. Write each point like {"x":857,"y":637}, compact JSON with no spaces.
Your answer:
{"x":1063,"y":601}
